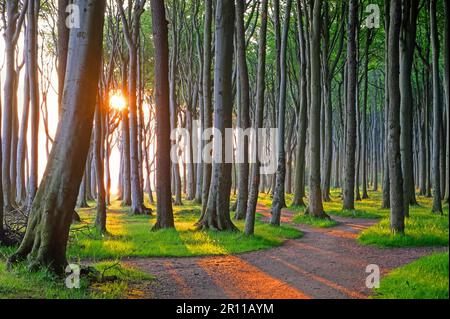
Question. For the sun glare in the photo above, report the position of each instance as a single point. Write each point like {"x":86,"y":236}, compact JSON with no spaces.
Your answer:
{"x":117,"y":101}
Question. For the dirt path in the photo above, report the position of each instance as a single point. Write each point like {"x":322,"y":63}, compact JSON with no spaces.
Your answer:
{"x":324,"y":263}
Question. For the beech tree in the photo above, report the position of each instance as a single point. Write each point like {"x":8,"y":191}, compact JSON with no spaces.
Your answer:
{"x":51,"y":213}
{"x":258,"y":123}
{"x":164,"y":212}
{"x":397,"y":216}
{"x":217,"y":214}
{"x":350,"y":138}
{"x":278,"y":198}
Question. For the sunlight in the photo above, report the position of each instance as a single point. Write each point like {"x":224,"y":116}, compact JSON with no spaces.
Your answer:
{"x":117,"y":100}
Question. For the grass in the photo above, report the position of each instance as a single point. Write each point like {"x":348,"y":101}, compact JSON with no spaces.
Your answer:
{"x":130,"y":236}
{"x":426,"y":278}
{"x":422,"y":228}
{"x":19,"y":283}
{"x":367,"y":208}
{"x":314,"y":221}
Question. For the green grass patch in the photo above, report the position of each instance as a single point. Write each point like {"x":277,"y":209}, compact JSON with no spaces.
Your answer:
{"x":19,"y":283}
{"x":357,"y":214}
{"x":131,"y":236}
{"x":314,"y":221}
{"x":426,"y":278}
{"x":420,"y":230}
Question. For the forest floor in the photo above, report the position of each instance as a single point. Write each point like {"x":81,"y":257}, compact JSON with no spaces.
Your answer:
{"x":304,"y":258}
{"x":323,"y":263}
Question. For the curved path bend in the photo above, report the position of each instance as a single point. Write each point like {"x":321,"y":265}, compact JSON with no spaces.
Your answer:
{"x":324,"y":263}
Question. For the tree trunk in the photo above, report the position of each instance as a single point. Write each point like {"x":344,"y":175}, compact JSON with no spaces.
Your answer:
{"x":217,"y":215}
{"x":22,"y":146}
{"x":11,"y":35}
{"x":437,"y":116}
{"x":164,"y":217}
{"x":63,"y":44}
{"x":173,"y":99}
{"x":243,"y":111}
{"x":315,"y":207}
{"x":365,"y":195}
{"x":126,"y":181}
{"x":207,"y":105}
{"x":407,"y":45}
{"x":447,"y":97}
{"x":100,"y":218}
{"x":395,"y":170}
{"x":278,"y":198}
{"x":259,"y":121}
{"x":299,"y":179}
{"x":32,"y":70}
{"x":52,"y":210}
{"x":350,"y":147}
{"x":386,"y":191}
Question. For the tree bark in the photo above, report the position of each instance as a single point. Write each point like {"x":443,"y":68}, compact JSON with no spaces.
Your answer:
{"x":207,"y":105}
{"x":315,"y":207}
{"x":164,"y":214}
{"x":217,"y":215}
{"x":397,"y":214}
{"x":21,"y":192}
{"x":100,"y":218}
{"x":407,"y":45}
{"x":259,"y":121}
{"x":52,"y":210}
{"x":13,"y":27}
{"x":299,"y":179}
{"x":437,"y":116}
{"x":447,"y":97}
{"x":350,"y":147}
{"x":244,"y":124}
{"x":386,"y":191}
{"x":279,"y":197}
{"x":32,"y":70}
{"x":63,"y":44}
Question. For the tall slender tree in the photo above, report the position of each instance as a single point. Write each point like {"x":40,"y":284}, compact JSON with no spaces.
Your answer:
{"x":217,"y":214}
{"x":299,"y":178}
{"x":437,"y":115}
{"x":32,"y":71}
{"x":207,"y":105}
{"x":164,"y":214}
{"x":315,"y":207}
{"x":278,"y":198}
{"x":350,"y":147}
{"x":244,"y":114}
{"x":131,"y":33}
{"x":397,"y":215}
{"x":410,"y":10}
{"x":259,"y":119}
{"x":12,"y":25}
